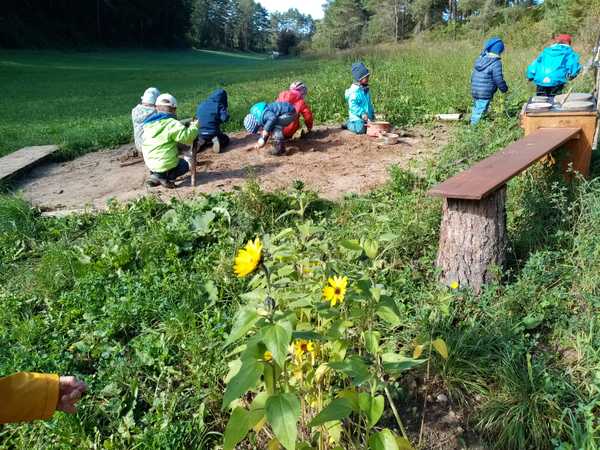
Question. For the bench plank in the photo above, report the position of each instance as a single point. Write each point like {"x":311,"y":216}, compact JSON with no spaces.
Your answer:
{"x":493,"y":172}
{"x":24,"y":158}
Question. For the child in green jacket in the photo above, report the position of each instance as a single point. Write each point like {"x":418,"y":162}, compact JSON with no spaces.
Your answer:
{"x":162,"y":134}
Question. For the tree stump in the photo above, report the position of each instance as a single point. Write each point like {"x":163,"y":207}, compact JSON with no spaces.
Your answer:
{"x":472,"y":240}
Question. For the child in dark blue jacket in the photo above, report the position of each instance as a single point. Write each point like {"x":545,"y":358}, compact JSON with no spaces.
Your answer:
{"x":270,"y":120}
{"x":487,"y":78}
{"x":211,"y":113}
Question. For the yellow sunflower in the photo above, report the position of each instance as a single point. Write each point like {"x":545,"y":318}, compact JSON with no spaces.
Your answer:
{"x":248,"y":258}
{"x":302,"y":347}
{"x":454,"y":285}
{"x":335,"y":291}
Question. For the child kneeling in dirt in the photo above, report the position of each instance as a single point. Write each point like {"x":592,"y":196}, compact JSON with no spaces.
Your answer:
{"x":295,"y":96}
{"x":162,"y":134}
{"x":211,"y":113}
{"x":140,"y":113}
{"x":360,"y":106}
{"x":271,"y":118}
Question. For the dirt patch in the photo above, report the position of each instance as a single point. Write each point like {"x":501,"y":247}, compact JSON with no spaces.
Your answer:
{"x":330,"y":161}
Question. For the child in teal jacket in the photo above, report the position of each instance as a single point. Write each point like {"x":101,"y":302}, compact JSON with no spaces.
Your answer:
{"x":360,"y":106}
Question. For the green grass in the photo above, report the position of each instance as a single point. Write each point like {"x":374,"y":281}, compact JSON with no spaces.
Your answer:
{"x":138,"y":302}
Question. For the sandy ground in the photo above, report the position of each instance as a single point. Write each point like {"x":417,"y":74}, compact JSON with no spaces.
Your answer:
{"x":330,"y":161}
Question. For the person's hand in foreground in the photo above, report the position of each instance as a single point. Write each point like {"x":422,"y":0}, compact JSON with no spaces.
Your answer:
{"x":70,"y":390}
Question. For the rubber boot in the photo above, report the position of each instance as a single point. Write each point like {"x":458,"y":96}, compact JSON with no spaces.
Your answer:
{"x":152,"y":181}
{"x":216,"y":145}
{"x":278,"y":148}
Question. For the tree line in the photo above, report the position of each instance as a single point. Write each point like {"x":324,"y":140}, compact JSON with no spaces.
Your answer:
{"x":216,"y":24}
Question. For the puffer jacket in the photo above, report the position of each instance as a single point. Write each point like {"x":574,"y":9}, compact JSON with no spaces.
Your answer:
{"x":272,"y":112}
{"x":162,"y":133}
{"x":212,"y":112}
{"x":293,"y":97}
{"x":555,"y":66}
{"x":359,"y":103}
{"x":487,"y":77}
{"x":27,"y":396}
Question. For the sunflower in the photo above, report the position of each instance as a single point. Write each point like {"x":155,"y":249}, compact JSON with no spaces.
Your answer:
{"x":302,"y":347}
{"x":454,"y":285}
{"x":335,"y":290}
{"x":248,"y":258}
{"x":268,"y":356}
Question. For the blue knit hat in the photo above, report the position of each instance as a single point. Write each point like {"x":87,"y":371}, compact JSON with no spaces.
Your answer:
{"x":359,"y":71}
{"x":494,"y":45}
{"x":251,"y":124}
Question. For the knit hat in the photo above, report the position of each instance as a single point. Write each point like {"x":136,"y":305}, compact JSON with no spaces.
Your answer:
{"x":251,"y":124}
{"x":150,"y":95}
{"x":300,"y":87}
{"x":494,"y":45}
{"x":563,"y":39}
{"x":359,"y":71}
{"x":166,"y":100}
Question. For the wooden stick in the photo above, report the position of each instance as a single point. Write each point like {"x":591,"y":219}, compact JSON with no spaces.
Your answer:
{"x":194,"y":162}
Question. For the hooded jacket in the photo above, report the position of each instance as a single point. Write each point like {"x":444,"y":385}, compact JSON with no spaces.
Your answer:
{"x":28,"y":396}
{"x":272,"y":112}
{"x":162,"y":133}
{"x":554,"y":66}
{"x":487,"y":77}
{"x":212,"y":112}
{"x":359,"y":103}
{"x":295,"y":98}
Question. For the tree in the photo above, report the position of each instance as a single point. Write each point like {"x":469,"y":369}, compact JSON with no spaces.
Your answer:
{"x":343,"y":24}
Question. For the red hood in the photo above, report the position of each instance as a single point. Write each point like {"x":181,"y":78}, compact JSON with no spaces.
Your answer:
{"x":292,"y":97}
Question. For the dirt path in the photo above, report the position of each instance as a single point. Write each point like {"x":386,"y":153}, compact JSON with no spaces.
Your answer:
{"x":331,"y":161}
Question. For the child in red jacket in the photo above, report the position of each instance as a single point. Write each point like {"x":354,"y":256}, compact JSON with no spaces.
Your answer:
{"x":295,"y":96}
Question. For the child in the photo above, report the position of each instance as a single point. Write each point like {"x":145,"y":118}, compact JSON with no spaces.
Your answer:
{"x":295,"y":96}
{"x":140,"y":113}
{"x":271,"y":118}
{"x":555,"y":66}
{"x":211,"y":113}
{"x":360,"y":106}
{"x":487,"y":78}
{"x":162,"y":133}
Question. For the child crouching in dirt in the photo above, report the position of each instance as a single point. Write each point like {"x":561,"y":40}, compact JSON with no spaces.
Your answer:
{"x":360,"y":106}
{"x":162,"y":134}
{"x":295,"y":96}
{"x":270,"y":119}
{"x":211,"y":114}
{"x":140,"y":113}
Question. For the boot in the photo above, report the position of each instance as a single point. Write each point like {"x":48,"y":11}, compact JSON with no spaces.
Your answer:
{"x":278,"y":148}
{"x":152,"y":181}
{"x":216,"y":145}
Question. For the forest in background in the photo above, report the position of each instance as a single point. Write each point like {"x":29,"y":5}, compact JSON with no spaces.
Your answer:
{"x":245,"y":25}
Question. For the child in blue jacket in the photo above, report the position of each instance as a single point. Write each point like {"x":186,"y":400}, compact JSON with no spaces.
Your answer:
{"x":211,"y":114}
{"x":360,"y":106}
{"x":555,"y":66}
{"x":487,"y":78}
{"x":270,"y":119}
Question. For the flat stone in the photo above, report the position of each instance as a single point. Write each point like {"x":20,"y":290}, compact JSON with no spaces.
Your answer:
{"x":24,"y":158}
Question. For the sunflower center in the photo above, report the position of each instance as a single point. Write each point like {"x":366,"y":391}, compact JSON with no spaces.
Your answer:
{"x":303,"y":347}
{"x":337,"y":291}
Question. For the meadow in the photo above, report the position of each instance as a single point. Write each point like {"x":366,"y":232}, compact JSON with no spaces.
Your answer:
{"x":142,"y":303}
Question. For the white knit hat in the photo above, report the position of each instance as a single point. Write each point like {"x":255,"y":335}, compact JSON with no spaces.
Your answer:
{"x":150,"y":95}
{"x":166,"y":100}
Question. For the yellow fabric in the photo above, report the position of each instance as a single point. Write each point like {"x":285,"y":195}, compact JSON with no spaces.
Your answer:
{"x":27,"y":396}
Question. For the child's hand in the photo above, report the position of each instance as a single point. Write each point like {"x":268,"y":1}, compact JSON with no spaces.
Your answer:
{"x":261,"y":143}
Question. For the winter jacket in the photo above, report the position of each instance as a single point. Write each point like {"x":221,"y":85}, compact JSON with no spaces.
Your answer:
{"x":555,"y":66}
{"x":212,"y":112}
{"x":27,"y":396}
{"x":138,"y":115}
{"x":162,"y":133}
{"x":487,"y":77}
{"x":293,"y":97}
{"x":272,"y":112}
{"x":359,"y":103}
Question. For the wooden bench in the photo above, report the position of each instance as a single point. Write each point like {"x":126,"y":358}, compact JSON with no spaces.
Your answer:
{"x":473,"y":237}
{"x":18,"y":162}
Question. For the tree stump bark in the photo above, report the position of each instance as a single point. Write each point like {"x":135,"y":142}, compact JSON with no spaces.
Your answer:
{"x":473,"y":240}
